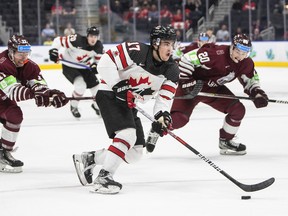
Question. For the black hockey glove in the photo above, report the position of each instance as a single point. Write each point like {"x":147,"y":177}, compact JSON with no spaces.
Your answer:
{"x":187,"y":85}
{"x":162,"y":123}
{"x":123,"y":93}
{"x":58,"y":98}
{"x":190,"y":86}
{"x":54,"y":56}
{"x":260,"y":97}
{"x":93,"y":67}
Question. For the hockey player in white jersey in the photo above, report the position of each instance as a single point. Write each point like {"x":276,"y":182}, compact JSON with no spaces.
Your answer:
{"x":131,"y":72}
{"x":80,"y":50}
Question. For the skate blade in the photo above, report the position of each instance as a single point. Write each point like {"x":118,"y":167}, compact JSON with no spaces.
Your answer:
{"x":79,"y":169}
{"x":100,"y":189}
{"x":230,"y":152}
{"x":9,"y":169}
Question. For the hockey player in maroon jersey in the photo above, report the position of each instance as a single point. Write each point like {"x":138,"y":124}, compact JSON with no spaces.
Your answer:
{"x":203,"y":38}
{"x":215,"y":66}
{"x":20,"y":79}
{"x":86,"y":50}
{"x":130,"y":68}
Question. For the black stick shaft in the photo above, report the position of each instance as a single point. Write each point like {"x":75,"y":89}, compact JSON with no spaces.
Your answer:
{"x":237,"y":97}
{"x":81,"y":98}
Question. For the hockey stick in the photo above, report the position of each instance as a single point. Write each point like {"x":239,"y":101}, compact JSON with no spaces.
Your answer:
{"x":206,"y":94}
{"x":247,"y":188}
{"x":81,"y":98}
{"x":75,"y":63}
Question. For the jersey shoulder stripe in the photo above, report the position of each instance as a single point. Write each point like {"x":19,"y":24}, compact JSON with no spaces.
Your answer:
{"x":119,"y":55}
{"x":122,"y":56}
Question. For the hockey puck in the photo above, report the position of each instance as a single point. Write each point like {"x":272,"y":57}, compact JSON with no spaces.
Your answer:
{"x":245,"y":197}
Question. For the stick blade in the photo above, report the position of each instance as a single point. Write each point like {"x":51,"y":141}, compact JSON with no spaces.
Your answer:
{"x":257,"y":187}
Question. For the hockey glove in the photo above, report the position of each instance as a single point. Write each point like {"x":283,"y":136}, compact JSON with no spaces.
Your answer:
{"x":42,"y":97}
{"x":260,"y":97}
{"x":54,"y":56}
{"x":58,"y":98}
{"x":162,"y":123}
{"x":187,"y":85}
{"x":186,"y":68}
{"x":123,"y":94}
{"x":93,"y":67}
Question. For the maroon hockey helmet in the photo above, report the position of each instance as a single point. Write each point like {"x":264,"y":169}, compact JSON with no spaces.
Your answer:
{"x":18,"y":43}
{"x":159,"y":33}
{"x":93,"y":30}
{"x":242,"y":42}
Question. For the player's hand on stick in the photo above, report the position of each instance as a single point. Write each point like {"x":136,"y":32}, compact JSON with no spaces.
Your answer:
{"x":42,"y":97}
{"x":123,"y":93}
{"x":93,"y":67}
{"x":58,"y":98}
{"x":260,"y":97}
{"x":162,"y":123}
{"x":187,"y":85}
{"x":53,"y":54}
{"x":186,"y":68}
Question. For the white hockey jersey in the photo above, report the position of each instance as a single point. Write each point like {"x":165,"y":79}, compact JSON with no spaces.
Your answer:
{"x":147,"y":77}
{"x":75,"y":48}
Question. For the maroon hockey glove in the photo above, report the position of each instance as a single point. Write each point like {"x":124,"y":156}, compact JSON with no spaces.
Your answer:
{"x":162,"y":123}
{"x":58,"y":98}
{"x":260,"y":98}
{"x":123,"y":94}
{"x":42,"y":97}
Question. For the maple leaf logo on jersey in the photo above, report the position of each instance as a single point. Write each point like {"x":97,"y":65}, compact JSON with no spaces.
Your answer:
{"x":133,"y":82}
{"x":80,"y":58}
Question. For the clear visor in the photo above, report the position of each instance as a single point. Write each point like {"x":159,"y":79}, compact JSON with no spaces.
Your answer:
{"x":23,"y":51}
{"x":21,"y":55}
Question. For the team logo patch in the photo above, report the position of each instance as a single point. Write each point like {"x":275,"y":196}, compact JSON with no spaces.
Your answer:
{"x":133,"y":82}
{"x":219,"y":52}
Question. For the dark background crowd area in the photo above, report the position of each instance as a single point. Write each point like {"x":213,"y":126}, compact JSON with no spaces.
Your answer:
{"x":55,"y":21}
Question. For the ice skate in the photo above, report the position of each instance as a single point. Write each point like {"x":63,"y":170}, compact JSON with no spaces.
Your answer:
{"x":151,"y":141}
{"x":104,"y":184}
{"x":84,"y":165}
{"x":8,"y":163}
{"x":75,"y":112}
{"x":96,"y":109}
{"x":229,"y":147}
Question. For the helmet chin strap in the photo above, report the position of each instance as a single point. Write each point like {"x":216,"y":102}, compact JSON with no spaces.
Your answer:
{"x":157,"y":51}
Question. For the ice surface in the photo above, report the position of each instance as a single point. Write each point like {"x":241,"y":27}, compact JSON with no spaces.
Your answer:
{"x":170,"y":181}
